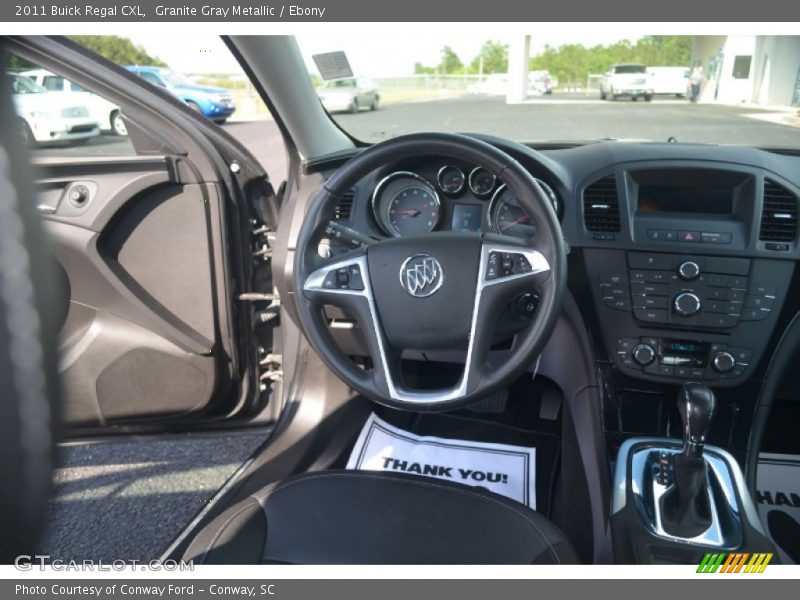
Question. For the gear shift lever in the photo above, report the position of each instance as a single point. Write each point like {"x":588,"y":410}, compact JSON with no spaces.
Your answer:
{"x":696,"y":405}
{"x":685,"y":506}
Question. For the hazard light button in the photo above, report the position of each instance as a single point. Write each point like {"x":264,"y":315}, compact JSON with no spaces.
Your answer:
{"x":690,"y":236}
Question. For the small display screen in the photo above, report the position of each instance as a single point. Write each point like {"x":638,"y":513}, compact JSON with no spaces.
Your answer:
{"x":665,"y":198}
{"x":683,"y":353}
{"x":684,"y":347}
{"x":467,"y":217}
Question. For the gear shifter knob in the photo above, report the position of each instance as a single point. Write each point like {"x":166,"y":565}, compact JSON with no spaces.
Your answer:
{"x":696,"y":405}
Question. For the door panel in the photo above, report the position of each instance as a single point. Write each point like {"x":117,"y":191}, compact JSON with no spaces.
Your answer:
{"x":140,"y":338}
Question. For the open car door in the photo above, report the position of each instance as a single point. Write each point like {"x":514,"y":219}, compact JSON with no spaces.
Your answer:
{"x":154,"y":240}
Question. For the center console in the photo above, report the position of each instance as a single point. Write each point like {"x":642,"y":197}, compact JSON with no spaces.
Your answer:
{"x":676,"y":501}
{"x":690,"y":288}
{"x":675,"y":317}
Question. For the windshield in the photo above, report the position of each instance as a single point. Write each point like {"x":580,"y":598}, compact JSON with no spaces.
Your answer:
{"x":548,"y":88}
{"x":176,"y":79}
{"x":627,"y":69}
{"x":23,"y":85}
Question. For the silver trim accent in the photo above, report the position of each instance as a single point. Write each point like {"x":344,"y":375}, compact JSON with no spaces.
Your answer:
{"x":437,"y":274}
{"x":684,"y":264}
{"x":551,"y":194}
{"x":722,"y":466}
{"x":472,"y":188}
{"x":315,"y":281}
{"x":679,"y":311}
{"x":439,"y":179}
{"x":384,"y":224}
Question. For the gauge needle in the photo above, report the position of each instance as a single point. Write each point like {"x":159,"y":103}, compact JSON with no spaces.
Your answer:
{"x":517,"y":222}
{"x":412,"y":213}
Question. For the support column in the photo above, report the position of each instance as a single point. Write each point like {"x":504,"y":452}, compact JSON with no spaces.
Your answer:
{"x":518,"y":66}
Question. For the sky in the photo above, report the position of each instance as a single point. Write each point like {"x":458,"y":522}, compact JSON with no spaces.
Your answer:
{"x":396,"y":56}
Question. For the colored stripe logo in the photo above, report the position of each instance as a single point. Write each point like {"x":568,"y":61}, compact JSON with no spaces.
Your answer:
{"x":737,"y":562}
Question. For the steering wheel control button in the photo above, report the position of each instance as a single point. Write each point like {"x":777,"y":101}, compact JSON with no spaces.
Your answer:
{"x":344,"y":278}
{"x":644,"y":354}
{"x":689,"y":270}
{"x":521,"y":264}
{"x":505,"y":264}
{"x":525,"y":306}
{"x":356,"y":280}
{"x":686,"y":304}
{"x":723,"y":362}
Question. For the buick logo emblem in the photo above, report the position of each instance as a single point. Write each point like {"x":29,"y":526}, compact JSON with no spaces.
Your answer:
{"x":421,"y":275}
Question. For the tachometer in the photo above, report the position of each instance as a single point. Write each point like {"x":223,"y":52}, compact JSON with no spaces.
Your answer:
{"x":405,"y":204}
{"x":506,"y":216}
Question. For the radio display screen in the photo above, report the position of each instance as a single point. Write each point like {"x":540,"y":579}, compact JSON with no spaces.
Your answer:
{"x":683,"y":353}
{"x":703,"y":200}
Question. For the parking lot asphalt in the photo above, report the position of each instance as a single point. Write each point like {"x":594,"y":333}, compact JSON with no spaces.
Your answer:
{"x":575,"y":118}
{"x":550,"y":118}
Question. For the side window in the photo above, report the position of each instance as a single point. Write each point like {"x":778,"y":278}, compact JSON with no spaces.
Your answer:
{"x":53,"y":83}
{"x":53,"y":123}
{"x":741,"y":66}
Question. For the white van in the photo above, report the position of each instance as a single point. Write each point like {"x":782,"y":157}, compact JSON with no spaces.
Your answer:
{"x":669,"y":80}
{"x":101,"y":110}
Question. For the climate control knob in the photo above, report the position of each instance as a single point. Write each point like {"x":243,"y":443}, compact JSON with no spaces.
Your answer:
{"x":723,"y":362}
{"x":688,"y":270}
{"x":643,"y":354}
{"x":686,"y":304}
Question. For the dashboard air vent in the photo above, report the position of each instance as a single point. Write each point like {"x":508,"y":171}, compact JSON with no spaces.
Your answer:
{"x":601,"y":205}
{"x":779,"y":219}
{"x":344,"y":207}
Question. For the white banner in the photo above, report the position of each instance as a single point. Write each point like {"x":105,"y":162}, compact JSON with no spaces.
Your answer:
{"x":506,"y":470}
{"x":778,"y":500}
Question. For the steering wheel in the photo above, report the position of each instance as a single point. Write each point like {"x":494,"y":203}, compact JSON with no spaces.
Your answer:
{"x":437,"y":291}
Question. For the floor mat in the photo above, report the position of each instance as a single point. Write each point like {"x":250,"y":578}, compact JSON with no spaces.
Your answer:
{"x":127,"y":500}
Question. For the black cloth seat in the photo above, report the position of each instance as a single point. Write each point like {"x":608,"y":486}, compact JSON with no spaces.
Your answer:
{"x":363,"y":517}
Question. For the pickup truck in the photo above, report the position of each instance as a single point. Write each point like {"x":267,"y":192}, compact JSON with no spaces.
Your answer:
{"x":626,"y":80}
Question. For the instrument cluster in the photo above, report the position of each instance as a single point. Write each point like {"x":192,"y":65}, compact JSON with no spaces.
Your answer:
{"x":450,"y":197}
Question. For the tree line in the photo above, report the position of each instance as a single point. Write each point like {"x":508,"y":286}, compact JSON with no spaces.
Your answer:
{"x":570,"y":63}
{"x":116,"y":49}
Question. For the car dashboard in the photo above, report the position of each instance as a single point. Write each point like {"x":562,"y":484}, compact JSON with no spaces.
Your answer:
{"x":682,"y":257}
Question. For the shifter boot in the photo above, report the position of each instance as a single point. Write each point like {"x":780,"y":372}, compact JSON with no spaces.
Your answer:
{"x":685,"y":506}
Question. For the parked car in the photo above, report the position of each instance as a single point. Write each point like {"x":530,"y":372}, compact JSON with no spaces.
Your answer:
{"x":107,"y":114}
{"x":216,"y":103}
{"x":541,"y":82}
{"x":495,"y":84}
{"x":349,"y":94}
{"x":669,"y":80}
{"x":49,"y":117}
{"x":626,"y":80}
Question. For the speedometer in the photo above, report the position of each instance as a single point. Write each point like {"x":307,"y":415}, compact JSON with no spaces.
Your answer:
{"x":405,"y":204}
{"x":507,"y":217}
